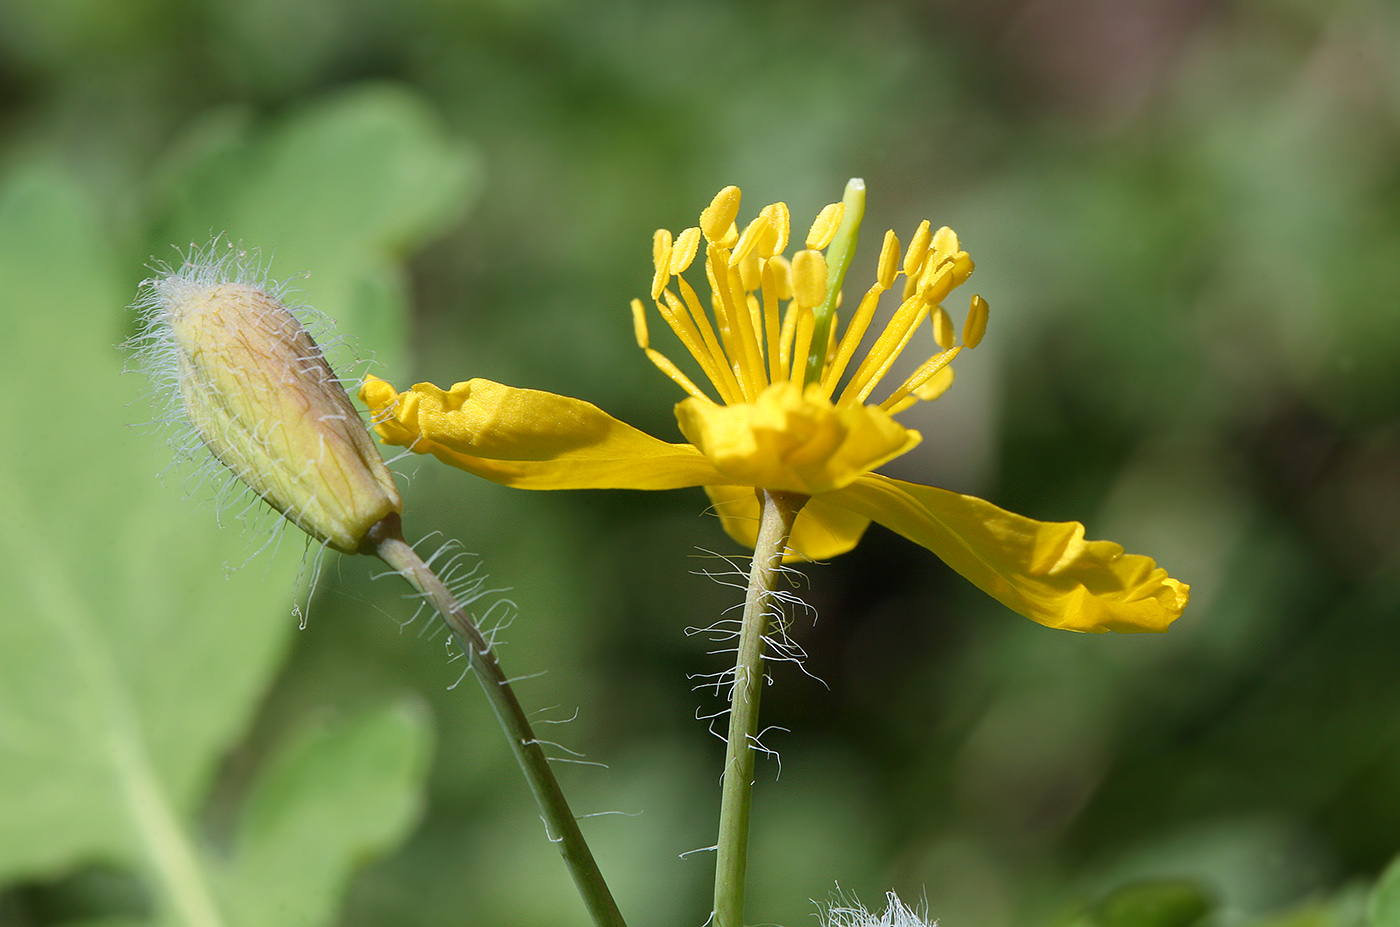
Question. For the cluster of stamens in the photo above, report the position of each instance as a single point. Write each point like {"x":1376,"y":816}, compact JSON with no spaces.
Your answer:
{"x":771,"y":315}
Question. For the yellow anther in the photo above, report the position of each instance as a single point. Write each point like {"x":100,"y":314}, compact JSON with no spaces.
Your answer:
{"x":782,"y":276}
{"x":918,"y":250}
{"x":889,"y":261}
{"x":976,"y":325}
{"x":937,"y":385}
{"x":943,"y":328}
{"x":753,"y":233}
{"x":825,"y":225}
{"x":945,"y":244}
{"x":639,"y":324}
{"x":750,"y":271}
{"x":661,"y":260}
{"x":718,"y":218}
{"x":683,"y":251}
{"x":809,"y":277}
{"x":962,"y":268}
{"x":781,"y":220}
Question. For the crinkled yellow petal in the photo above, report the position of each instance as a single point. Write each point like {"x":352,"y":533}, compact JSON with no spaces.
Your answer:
{"x":791,"y":440}
{"x":531,"y":439}
{"x":821,"y":531}
{"x":1043,"y":570}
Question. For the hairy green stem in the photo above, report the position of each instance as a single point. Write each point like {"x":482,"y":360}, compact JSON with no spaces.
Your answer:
{"x":732,"y":849}
{"x":385,"y":540}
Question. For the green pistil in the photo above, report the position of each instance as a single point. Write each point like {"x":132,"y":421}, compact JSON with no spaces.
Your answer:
{"x":838,"y":258}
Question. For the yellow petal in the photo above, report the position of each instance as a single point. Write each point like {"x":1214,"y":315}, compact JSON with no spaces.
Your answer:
{"x":1043,"y":570}
{"x":531,"y":439}
{"x":793,"y":440}
{"x":821,"y":531}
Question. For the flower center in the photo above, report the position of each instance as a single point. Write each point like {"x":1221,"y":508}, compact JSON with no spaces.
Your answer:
{"x":773,"y":320}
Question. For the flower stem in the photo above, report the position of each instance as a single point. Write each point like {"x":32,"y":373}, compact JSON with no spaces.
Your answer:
{"x":385,"y":540}
{"x":779,"y":512}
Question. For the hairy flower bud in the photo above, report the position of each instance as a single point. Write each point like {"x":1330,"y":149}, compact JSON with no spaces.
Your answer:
{"x":259,"y":393}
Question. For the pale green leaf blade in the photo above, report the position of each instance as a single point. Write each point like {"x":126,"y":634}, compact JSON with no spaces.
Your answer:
{"x":338,"y":191}
{"x":1385,"y":898}
{"x":127,"y":661}
{"x":329,"y":801}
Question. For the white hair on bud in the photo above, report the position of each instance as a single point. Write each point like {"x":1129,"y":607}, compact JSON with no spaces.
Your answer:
{"x":154,"y":349}
{"x":278,"y":343}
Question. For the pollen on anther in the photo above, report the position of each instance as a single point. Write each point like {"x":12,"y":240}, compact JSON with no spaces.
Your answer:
{"x":825,"y":225}
{"x":717,"y":219}
{"x":809,"y":277}
{"x":889,"y":261}
{"x":683,"y":251}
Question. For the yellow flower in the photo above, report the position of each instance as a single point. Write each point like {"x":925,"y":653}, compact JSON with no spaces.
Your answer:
{"x":788,"y":417}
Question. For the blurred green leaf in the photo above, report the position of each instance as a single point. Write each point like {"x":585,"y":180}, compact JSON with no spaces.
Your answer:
{"x":1385,"y":899}
{"x":329,"y":800}
{"x":128,"y":662}
{"x":1157,"y":903}
{"x":337,"y":191}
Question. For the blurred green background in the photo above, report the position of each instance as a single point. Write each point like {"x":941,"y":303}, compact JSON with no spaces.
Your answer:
{"x":1186,"y":218}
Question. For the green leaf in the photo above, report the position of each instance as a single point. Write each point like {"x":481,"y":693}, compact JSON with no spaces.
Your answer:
{"x":1156,"y":903}
{"x":129,"y":661}
{"x":326,"y":803}
{"x":1385,"y":898}
{"x":338,"y":191}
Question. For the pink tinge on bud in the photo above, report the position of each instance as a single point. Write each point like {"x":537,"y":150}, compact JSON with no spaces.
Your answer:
{"x":260,"y":394}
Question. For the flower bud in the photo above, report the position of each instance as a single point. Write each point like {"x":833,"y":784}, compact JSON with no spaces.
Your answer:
{"x":259,"y":393}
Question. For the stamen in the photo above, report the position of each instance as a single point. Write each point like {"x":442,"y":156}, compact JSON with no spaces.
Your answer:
{"x":736,"y":323}
{"x":809,"y":278}
{"x":850,"y":341}
{"x":888,"y":267}
{"x":918,"y":251}
{"x":663,"y":363}
{"x":806,"y":324}
{"x":976,"y":324}
{"x":943,"y":328}
{"x":780,"y":220}
{"x":717,"y":219}
{"x":683,"y":252}
{"x":676,"y":316}
{"x":661,"y":260}
{"x":749,"y":240}
{"x":887,"y":349}
{"x":718,"y":369}
{"x":786,"y":338}
{"x":842,"y":248}
{"x":926,"y":372}
{"x":771,"y":329}
{"x":825,"y":225}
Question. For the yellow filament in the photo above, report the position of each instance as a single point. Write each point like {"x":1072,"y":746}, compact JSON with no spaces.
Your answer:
{"x":850,"y":341}
{"x":885,"y":351}
{"x":663,"y":363}
{"x":718,"y":369}
{"x":926,"y":372}
{"x":806,"y":325}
